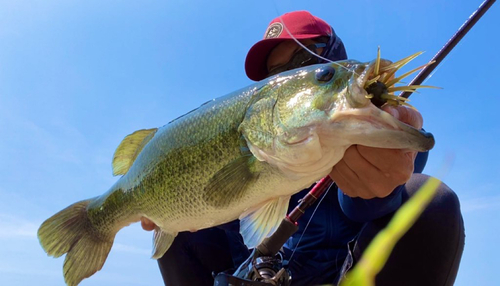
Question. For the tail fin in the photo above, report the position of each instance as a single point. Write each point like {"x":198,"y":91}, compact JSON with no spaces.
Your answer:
{"x":70,"y":231}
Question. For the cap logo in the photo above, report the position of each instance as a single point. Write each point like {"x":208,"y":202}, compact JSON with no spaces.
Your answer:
{"x":274,"y":30}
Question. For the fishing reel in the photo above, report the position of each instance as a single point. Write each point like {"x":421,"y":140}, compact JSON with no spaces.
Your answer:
{"x":257,"y":271}
{"x":264,"y":266}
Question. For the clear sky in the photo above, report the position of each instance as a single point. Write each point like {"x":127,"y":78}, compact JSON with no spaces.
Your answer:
{"x":78,"y":76}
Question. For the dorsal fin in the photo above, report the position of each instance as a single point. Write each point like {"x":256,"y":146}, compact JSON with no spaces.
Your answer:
{"x":129,"y":148}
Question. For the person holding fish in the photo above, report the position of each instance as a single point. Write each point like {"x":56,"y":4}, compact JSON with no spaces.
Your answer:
{"x":244,"y":158}
{"x":370,"y":185}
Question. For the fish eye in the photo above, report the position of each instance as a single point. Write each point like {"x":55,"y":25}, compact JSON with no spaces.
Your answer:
{"x":325,"y":73}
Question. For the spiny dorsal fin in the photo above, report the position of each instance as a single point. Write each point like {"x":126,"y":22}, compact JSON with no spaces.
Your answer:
{"x":129,"y":148}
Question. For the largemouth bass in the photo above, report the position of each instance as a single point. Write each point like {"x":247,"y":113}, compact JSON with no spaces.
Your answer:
{"x":239,"y":156}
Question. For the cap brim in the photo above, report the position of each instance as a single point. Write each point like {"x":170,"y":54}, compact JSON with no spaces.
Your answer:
{"x":256,"y":60}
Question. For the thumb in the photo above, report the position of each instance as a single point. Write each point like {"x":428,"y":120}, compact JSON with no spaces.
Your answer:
{"x":404,"y":114}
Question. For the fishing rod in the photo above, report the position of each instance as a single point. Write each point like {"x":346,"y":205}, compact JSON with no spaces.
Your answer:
{"x":264,"y":267}
{"x":452,"y":42}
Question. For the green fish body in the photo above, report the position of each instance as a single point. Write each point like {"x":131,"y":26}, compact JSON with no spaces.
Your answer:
{"x":239,"y":156}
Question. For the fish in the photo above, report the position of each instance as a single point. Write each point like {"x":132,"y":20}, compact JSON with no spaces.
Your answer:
{"x":240,"y":156}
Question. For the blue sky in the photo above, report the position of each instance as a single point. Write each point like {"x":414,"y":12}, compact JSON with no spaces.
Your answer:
{"x":78,"y":76}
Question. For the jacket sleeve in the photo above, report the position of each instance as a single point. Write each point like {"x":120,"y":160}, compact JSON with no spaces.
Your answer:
{"x":362,"y":210}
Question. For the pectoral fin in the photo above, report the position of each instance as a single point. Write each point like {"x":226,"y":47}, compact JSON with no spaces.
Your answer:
{"x":231,"y":182}
{"x":257,"y":224}
{"x":161,"y":242}
{"x":129,"y":148}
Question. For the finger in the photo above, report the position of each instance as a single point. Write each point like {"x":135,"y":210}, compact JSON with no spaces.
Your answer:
{"x":404,"y":114}
{"x":147,"y":224}
{"x":365,"y":168}
{"x":342,"y":176}
{"x":385,"y":160}
{"x":373,"y":181}
{"x":349,"y":182}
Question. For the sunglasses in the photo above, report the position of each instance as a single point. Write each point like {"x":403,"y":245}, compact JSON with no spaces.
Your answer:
{"x":300,"y":58}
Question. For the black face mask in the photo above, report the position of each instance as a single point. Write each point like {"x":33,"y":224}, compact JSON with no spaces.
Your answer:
{"x":301,"y":58}
{"x":333,"y":49}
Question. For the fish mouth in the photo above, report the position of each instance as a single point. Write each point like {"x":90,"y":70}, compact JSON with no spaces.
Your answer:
{"x":381,"y":83}
{"x":371,"y":126}
{"x":368,"y":124}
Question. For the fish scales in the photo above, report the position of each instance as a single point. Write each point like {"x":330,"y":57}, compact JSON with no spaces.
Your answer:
{"x":187,"y":154}
{"x":174,"y":171}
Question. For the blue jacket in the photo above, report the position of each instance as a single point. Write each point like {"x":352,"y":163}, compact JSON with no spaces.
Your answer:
{"x":337,"y":220}
{"x":323,"y":246}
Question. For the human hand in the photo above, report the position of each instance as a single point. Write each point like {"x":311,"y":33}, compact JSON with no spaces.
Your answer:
{"x":147,"y":224}
{"x":368,"y":172}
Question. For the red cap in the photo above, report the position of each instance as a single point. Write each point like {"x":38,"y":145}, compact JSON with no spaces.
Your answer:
{"x":301,"y":24}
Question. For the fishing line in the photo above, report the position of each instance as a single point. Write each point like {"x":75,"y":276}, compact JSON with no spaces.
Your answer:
{"x":434,"y":71}
{"x":303,"y":46}
{"x":328,"y":61}
{"x":309,"y":221}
